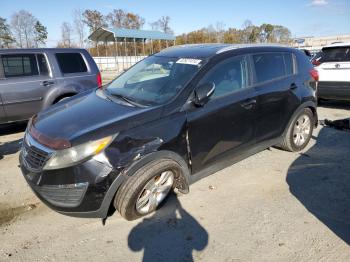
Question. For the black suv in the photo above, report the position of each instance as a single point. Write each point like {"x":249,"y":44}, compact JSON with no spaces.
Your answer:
{"x":168,"y":121}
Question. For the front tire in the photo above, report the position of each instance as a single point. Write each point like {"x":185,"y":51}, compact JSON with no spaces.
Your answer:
{"x":146,"y":189}
{"x":299,"y":132}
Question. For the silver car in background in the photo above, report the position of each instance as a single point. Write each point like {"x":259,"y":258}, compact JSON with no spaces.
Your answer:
{"x":33,"y":79}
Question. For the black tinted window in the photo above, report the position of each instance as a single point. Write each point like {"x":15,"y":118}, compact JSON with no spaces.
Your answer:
{"x":19,"y":65}
{"x":43,"y":67}
{"x":228,"y":76}
{"x":268,"y":66}
{"x":334,"y":54}
{"x":71,"y":63}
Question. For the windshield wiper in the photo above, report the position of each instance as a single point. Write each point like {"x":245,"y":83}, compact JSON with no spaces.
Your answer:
{"x":127,"y":99}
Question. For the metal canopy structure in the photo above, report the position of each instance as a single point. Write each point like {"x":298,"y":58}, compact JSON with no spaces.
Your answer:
{"x":129,"y":46}
{"x":121,"y":34}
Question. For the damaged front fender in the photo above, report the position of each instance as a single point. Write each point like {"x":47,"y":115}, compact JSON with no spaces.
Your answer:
{"x":135,"y":148}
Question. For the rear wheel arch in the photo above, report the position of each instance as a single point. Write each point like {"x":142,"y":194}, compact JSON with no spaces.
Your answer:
{"x":62,"y":96}
{"x":309,"y":104}
{"x":287,"y":137}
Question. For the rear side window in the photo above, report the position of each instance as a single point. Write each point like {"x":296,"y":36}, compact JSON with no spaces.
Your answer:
{"x":71,"y":63}
{"x":268,"y":66}
{"x":338,"y":54}
{"x":19,"y":65}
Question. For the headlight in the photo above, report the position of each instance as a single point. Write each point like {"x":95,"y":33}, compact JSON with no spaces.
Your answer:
{"x":67,"y":157}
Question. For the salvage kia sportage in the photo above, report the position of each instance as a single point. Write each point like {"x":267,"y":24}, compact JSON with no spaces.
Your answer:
{"x":168,"y":121}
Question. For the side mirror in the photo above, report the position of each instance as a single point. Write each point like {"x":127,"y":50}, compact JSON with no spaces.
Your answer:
{"x":203,"y":92}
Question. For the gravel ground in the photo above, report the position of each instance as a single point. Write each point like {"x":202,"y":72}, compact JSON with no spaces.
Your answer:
{"x":273,"y":206}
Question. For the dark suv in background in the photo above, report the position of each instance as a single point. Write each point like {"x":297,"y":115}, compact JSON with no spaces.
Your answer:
{"x":168,"y":121}
{"x":33,"y":79}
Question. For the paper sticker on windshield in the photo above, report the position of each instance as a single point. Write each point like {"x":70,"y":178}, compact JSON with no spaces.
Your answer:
{"x":189,"y":61}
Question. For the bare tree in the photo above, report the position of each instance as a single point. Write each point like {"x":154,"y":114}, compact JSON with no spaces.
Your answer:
{"x":116,"y":18}
{"x":23,"y":24}
{"x":66,"y":34}
{"x":220,"y":31}
{"x":162,"y":24}
{"x":94,"y":19}
{"x":79,"y":26}
{"x":119,"y":18}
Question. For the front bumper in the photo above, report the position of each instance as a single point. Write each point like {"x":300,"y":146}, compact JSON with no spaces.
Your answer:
{"x":83,"y":190}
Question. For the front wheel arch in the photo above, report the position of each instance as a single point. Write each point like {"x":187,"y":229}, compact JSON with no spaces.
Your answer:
{"x":182,"y":184}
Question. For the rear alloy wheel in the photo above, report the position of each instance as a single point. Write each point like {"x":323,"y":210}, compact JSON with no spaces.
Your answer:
{"x":299,"y":132}
{"x":144,"y":191}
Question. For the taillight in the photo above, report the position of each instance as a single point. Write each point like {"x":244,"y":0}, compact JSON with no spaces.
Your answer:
{"x":99,"y":80}
{"x":314,"y":74}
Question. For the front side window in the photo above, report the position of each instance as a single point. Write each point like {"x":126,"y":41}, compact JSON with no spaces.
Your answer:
{"x":155,"y":80}
{"x":268,"y":66}
{"x":70,"y":63}
{"x":228,"y":76}
{"x":19,"y":65}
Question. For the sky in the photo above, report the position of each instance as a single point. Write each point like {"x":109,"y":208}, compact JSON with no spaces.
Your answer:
{"x":302,"y":17}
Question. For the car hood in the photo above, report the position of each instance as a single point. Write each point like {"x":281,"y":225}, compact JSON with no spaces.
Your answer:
{"x":91,"y":116}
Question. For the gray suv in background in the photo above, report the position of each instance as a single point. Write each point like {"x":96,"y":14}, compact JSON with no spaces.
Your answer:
{"x":33,"y":79}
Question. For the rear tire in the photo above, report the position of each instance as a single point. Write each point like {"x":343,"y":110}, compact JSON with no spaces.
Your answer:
{"x":299,"y":132}
{"x":144,"y":191}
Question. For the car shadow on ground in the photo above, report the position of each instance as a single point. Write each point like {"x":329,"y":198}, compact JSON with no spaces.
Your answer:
{"x":10,"y":147}
{"x":171,"y":234}
{"x":13,"y":128}
{"x":320,"y":180}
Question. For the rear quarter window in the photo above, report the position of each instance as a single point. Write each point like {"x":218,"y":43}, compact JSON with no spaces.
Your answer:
{"x":269,"y":66}
{"x":70,"y":63}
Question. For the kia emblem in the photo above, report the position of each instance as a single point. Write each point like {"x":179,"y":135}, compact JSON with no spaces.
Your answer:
{"x":337,"y":65}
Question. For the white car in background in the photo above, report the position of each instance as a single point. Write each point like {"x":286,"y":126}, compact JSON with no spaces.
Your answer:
{"x":333,"y":66}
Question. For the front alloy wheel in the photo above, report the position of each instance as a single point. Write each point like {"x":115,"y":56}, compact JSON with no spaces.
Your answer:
{"x":154,"y":192}
{"x":146,"y":189}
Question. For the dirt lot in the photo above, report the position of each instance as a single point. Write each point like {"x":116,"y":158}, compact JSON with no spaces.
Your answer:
{"x":273,"y":206}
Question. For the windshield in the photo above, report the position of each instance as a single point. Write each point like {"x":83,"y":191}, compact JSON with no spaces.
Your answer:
{"x":154,"y":80}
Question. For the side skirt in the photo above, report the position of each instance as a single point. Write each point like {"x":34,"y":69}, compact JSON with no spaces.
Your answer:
{"x":232,"y":159}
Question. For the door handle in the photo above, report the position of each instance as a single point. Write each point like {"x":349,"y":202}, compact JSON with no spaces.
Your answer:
{"x":249,"y":104}
{"x":293,"y":86}
{"x":47,"y":83}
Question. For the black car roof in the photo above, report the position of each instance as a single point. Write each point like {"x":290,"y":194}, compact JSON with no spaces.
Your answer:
{"x":204,"y":51}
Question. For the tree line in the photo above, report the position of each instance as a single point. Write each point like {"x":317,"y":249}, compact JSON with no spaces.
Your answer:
{"x":24,"y":30}
{"x":249,"y":33}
